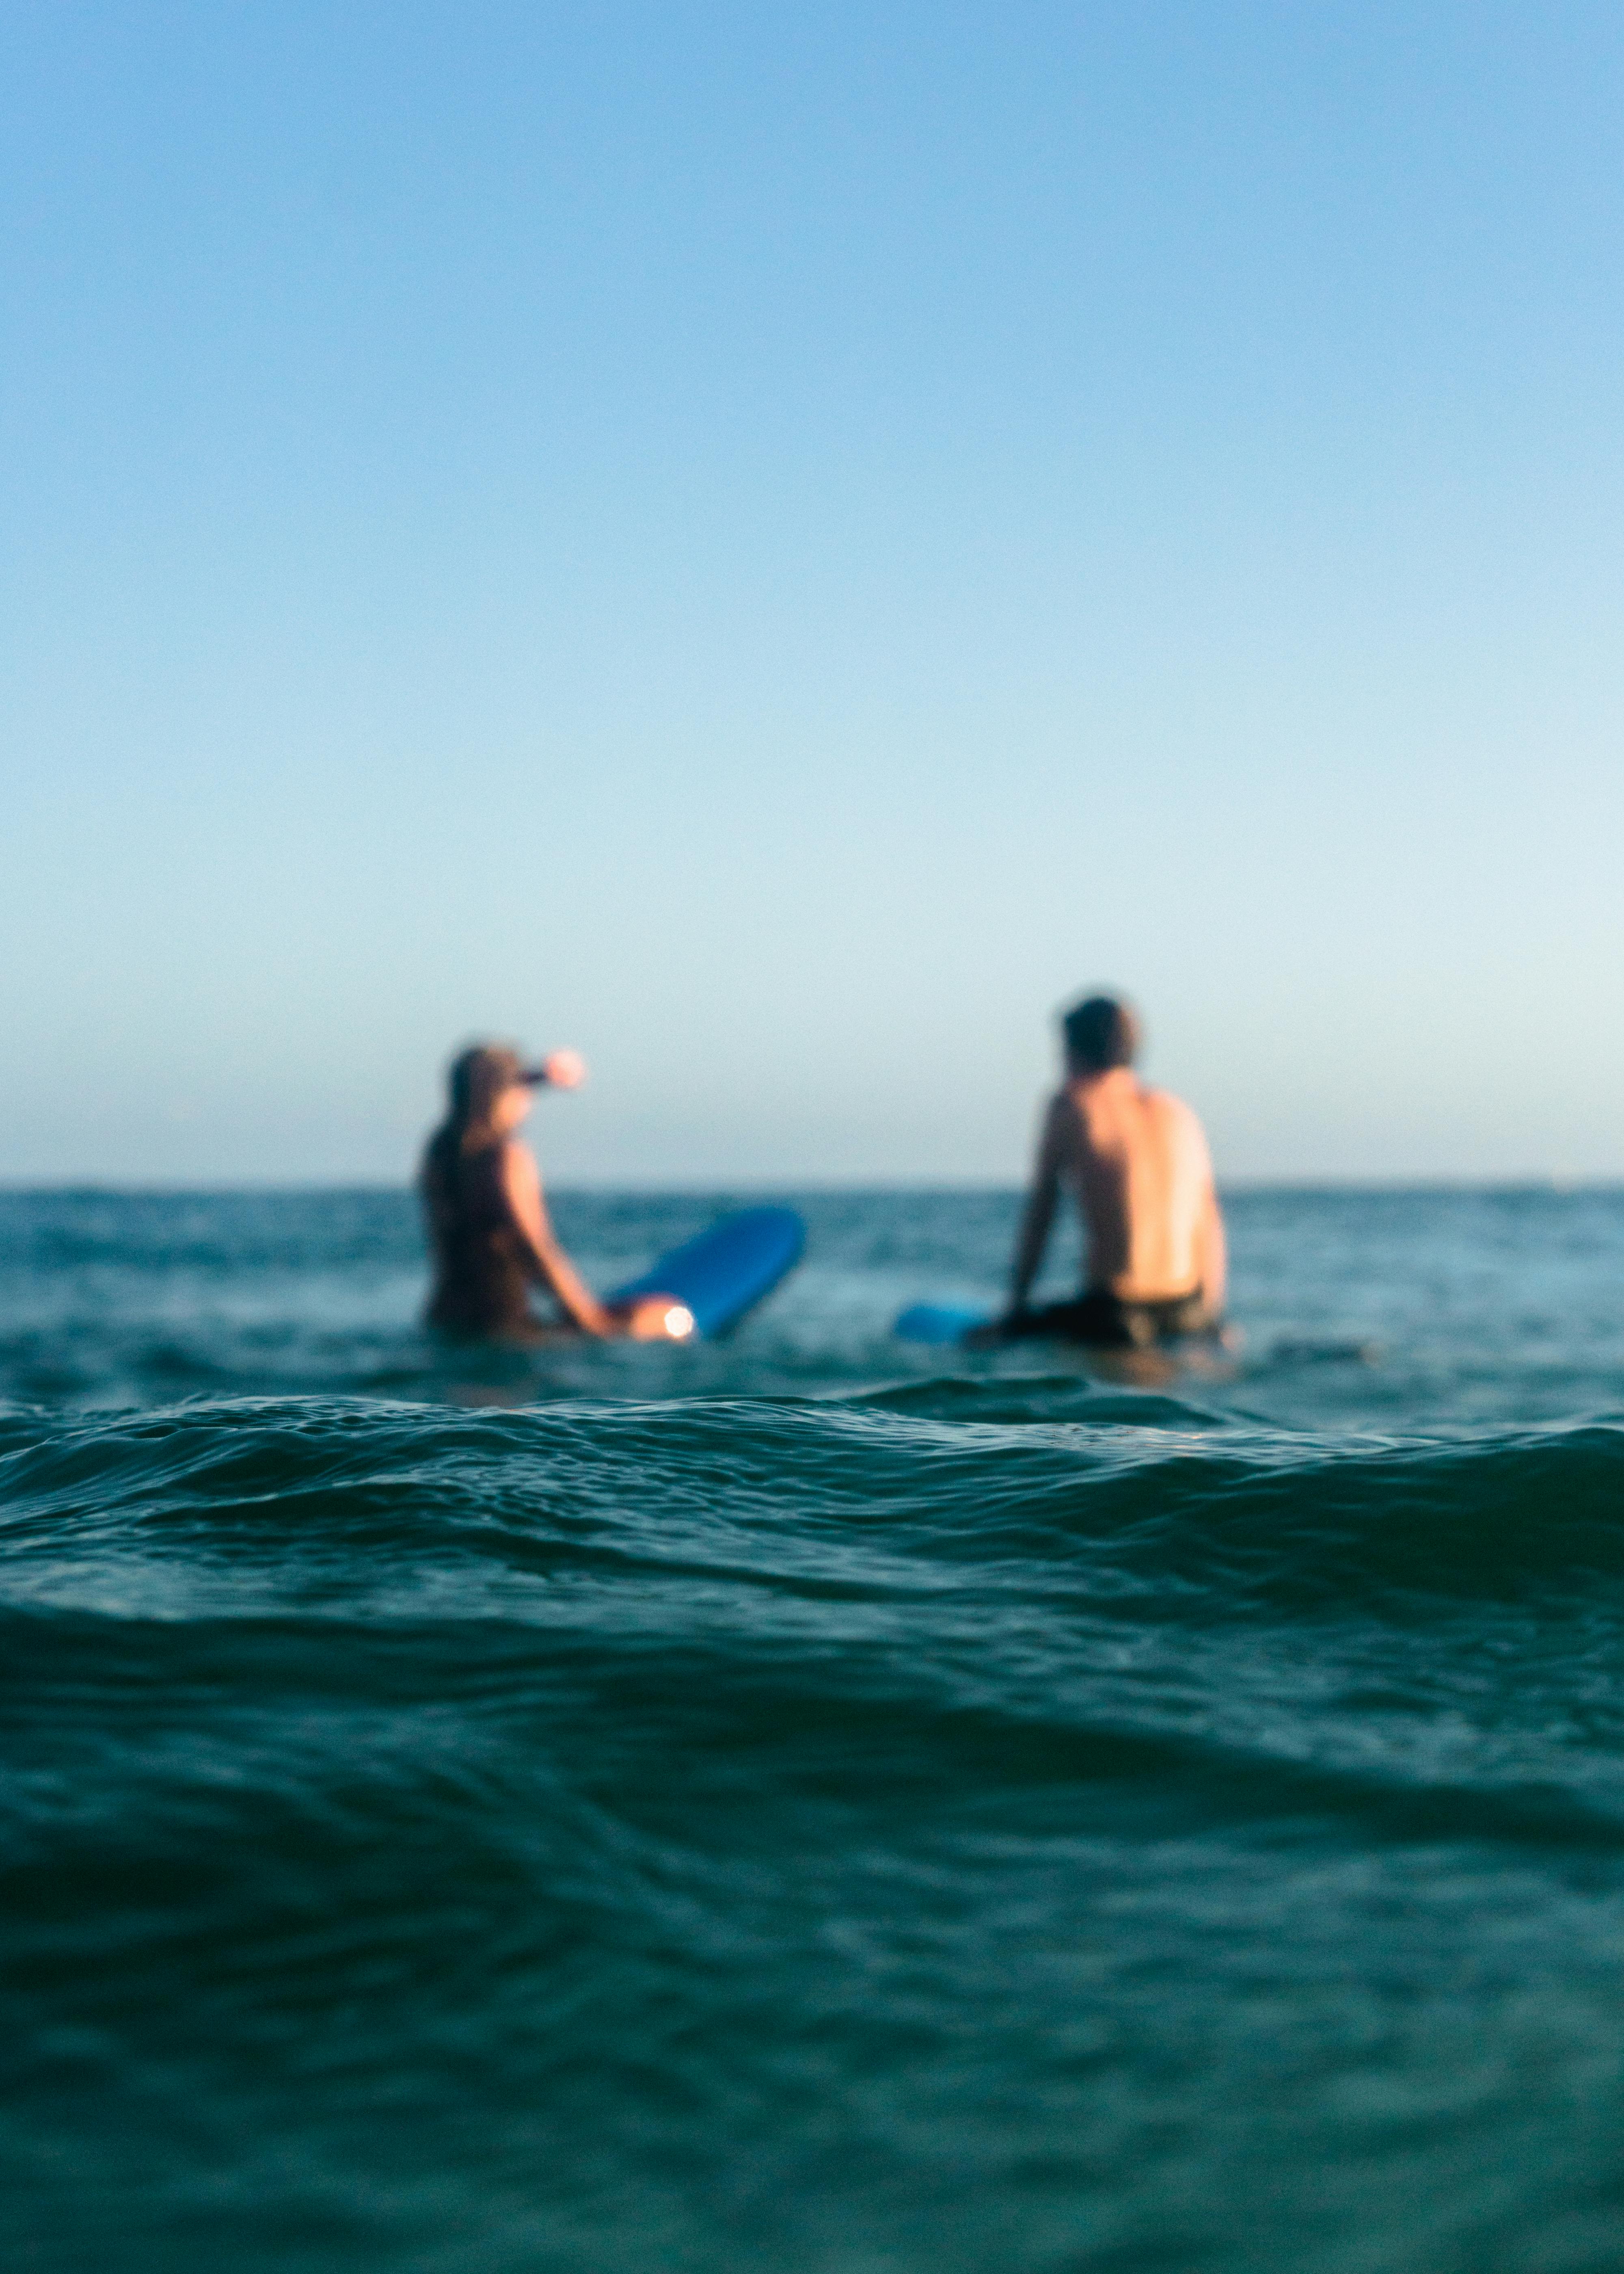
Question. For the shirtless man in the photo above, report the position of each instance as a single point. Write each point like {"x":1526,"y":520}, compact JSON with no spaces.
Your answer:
{"x":1137,"y":1163}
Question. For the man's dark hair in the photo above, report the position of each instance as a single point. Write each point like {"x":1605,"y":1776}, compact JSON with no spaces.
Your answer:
{"x":1099,"y":1034}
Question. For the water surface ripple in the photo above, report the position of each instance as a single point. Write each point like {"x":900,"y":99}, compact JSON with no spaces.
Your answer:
{"x":824,"y":1812}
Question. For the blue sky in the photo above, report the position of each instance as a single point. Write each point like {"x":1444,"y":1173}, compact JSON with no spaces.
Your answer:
{"x":777,"y":553}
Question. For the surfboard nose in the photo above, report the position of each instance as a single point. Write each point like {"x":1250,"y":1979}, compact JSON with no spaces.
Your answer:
{"x":724,"y":1271}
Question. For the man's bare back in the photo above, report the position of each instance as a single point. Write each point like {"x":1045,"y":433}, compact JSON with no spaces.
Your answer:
{"x":1137,"y":1161}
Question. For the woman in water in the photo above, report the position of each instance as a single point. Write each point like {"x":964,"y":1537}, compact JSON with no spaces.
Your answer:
{"x":488,"y":1224}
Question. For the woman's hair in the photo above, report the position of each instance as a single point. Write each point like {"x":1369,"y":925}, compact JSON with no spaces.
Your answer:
{"x":477,"y":1078}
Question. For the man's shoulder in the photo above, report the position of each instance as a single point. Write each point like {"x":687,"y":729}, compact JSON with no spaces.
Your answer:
{"x":1164,"y":1101}
{"x":1180,"y":1119}
{"x":1061,"y":1112}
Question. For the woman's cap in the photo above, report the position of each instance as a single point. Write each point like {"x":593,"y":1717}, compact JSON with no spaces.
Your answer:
{"x":497,"y":1062}
{"x":479,"y":1075}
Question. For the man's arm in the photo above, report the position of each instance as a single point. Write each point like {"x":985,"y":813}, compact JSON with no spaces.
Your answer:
{"x":1039,"y":1210}
{"x":522,"y":1187}
{"x":1212,"y":1254}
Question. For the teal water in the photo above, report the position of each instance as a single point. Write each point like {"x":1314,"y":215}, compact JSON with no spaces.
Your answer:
{"x":807,"y":1803}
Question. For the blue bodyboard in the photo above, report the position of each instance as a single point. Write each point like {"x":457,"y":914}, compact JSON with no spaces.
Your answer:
{"x":938,"y":1322}
{"x":727,"y":1271}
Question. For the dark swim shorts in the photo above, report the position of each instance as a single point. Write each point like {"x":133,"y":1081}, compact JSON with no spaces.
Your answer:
{"x":1109,"y":1323}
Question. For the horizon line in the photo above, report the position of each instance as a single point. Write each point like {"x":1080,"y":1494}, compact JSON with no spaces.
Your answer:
{"x":1512,"y":1181}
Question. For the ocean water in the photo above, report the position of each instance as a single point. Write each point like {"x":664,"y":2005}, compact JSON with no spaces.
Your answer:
{"x":805,"y":1803}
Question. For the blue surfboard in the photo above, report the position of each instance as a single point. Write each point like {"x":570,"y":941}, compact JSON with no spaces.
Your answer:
{"x":939,"y":1322}
{"x":727,"y":1271}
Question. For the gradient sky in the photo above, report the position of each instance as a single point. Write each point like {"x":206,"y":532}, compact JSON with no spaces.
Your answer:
{"x":778,"y":552}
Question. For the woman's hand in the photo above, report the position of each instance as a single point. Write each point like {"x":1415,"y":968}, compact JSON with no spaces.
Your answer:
{"x":564,"y":1070}
{"x":654,"y":1319}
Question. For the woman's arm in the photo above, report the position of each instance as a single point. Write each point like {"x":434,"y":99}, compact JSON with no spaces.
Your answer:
{"x":522,"y":1189}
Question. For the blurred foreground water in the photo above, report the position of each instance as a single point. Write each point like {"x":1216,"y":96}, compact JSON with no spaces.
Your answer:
{"x":806,"y":1803}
